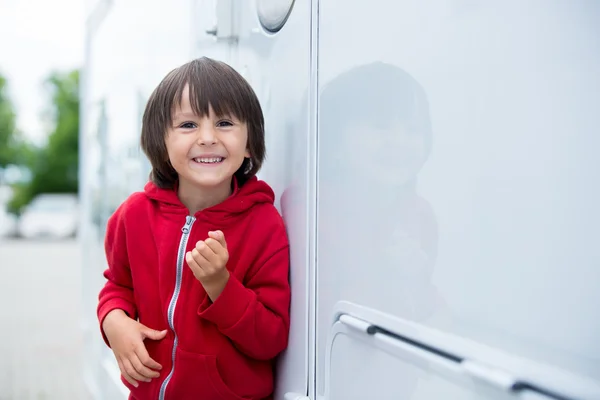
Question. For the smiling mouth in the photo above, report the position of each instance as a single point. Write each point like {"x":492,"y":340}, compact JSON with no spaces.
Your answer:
{"x":208,"y":160}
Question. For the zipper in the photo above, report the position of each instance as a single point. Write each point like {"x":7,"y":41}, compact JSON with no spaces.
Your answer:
{"x":186,"y":229}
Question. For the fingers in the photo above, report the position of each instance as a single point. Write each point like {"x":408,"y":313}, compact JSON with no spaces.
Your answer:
{"x":145,"y":359}
{"x":137,"y":367}
{"x":142,"y":369}
{"x":200,"y":269}
{"x":135,"y":363}
{"x":208,"y":259}
{"x":213,"y":249}
{"x":219,"y":236}
{"x":126,"y":375}
{"x":153,"y":333}
{"x":215,"y":246}
{"x":206,"y":253}
{"x":195,"y":267}
{"x":130,"y":373}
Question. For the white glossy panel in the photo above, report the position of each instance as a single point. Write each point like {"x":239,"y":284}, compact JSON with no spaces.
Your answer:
{"x":458,"y":174}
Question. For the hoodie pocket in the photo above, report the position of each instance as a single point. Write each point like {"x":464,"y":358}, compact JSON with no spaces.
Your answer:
{"x":197,"y":377}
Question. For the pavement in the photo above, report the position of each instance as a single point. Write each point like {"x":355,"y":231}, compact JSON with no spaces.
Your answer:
{"x":41,"y":342}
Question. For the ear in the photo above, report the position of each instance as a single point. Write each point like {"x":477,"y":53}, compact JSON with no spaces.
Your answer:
{"x":247,"y":153}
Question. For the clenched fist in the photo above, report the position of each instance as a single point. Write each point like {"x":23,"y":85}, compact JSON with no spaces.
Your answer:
{"x":208,"y":261}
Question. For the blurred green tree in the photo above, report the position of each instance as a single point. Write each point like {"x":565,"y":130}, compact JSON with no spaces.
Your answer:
{"x":7,"y":126}
{"x":14,"y":149}
{"x":55,"y":167}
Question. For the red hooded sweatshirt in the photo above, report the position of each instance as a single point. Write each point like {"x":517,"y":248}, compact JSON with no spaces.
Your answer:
{"x":213,"y":351}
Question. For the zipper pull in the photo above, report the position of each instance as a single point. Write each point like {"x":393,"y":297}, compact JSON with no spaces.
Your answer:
{"x":188,"y":222}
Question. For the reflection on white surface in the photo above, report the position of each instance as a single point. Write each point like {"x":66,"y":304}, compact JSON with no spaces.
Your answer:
{"x":377,"y":235}
{"x":491,"y":235}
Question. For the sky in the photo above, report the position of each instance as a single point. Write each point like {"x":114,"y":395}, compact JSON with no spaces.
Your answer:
{"x":36,"y":38}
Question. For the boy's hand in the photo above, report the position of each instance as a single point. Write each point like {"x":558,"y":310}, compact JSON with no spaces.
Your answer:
{"x":208,"y":263}
{"x":126,"y":337}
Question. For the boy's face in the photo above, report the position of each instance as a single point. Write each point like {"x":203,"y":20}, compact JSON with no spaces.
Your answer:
{"x":205,"y":152}
{"x":390,"y":155}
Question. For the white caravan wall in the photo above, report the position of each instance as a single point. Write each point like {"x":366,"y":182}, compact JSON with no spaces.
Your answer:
{"x":458,"y":178}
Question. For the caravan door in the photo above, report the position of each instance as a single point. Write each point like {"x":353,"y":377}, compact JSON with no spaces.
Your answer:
{"x":458,"y":192}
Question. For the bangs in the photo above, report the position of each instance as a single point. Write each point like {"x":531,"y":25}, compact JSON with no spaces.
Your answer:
{"x":211,"y":84}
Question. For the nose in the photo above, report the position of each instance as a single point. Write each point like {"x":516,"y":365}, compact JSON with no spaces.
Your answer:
{"x":206,"y":135}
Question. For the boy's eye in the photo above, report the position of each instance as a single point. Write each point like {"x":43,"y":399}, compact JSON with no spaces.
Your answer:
{"x":188,"y":125}
{"x":224,"y":123}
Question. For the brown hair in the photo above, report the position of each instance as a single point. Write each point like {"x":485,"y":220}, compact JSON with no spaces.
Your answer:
{"x":211,"y":83}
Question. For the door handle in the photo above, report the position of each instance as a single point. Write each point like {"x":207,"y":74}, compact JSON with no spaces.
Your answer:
{"x":502,"y":379}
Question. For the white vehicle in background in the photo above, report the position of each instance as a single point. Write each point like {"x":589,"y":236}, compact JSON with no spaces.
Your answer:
{"x":436,"y":163}
{"x":8,"y":224}
{"x":50,"y":216}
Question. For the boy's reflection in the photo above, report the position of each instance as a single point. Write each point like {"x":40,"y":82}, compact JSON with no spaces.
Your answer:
{"x":374,"y":137}
{"x":377,"y":238}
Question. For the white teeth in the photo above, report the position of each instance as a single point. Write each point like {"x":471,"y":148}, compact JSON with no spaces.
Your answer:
{"x":208,"y":160}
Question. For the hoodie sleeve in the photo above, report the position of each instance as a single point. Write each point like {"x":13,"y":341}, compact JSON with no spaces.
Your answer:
{"x":117,"y":292}
{"x":256,"y":316}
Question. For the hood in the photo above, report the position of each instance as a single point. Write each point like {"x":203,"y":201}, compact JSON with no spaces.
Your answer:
{"x":252,"y":192}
